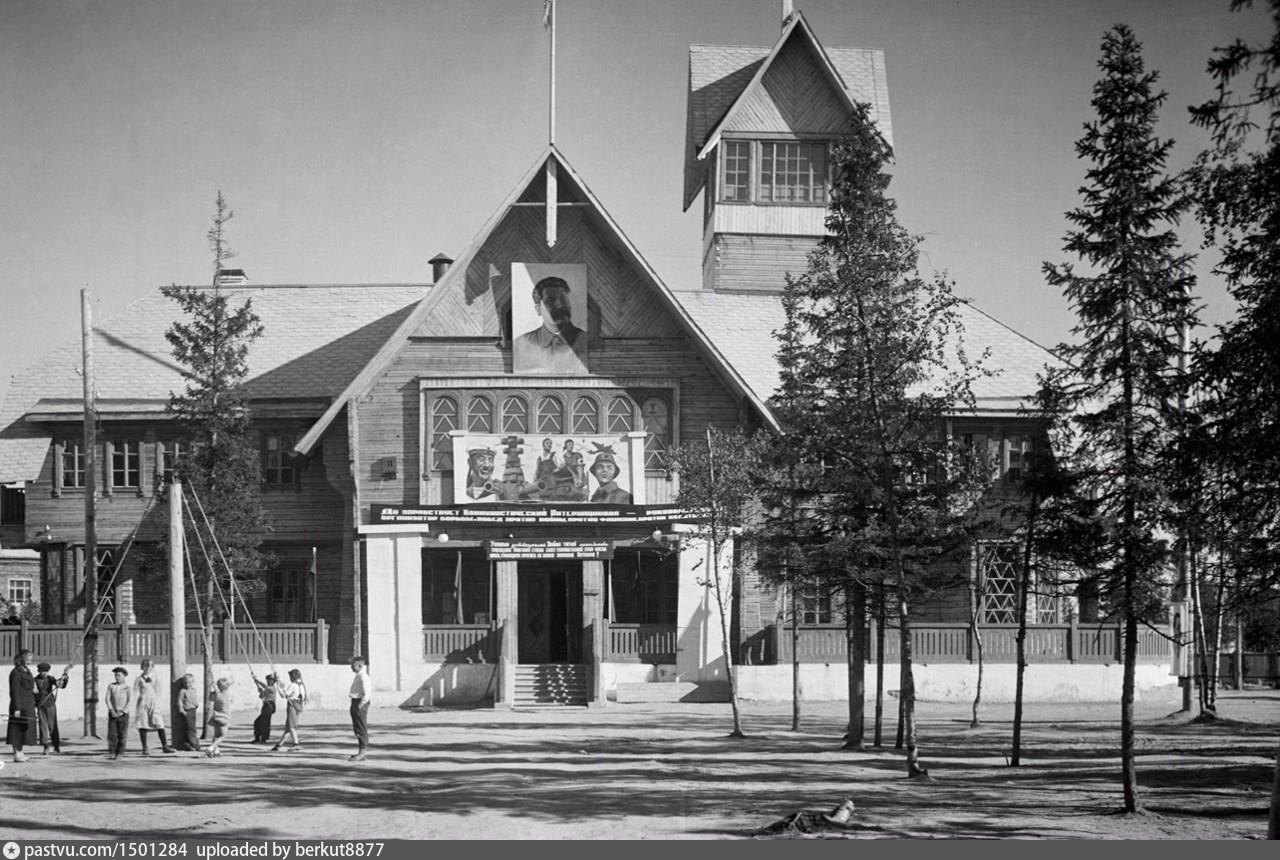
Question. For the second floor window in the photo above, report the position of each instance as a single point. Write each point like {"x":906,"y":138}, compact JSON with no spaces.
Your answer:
{"x":277,"y":467}
{"x":170,"y":452}
{"x":126,"y":464}
{"x":774,"y":171}
{"x":13,"y":505}
{"x":73,"y":465}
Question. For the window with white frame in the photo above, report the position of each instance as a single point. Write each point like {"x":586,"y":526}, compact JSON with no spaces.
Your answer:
{"x":277,"y":464}
{"x":480,"y":414}
{"x":586,"y":415}
{"x":444,"y":418}
{"x":126,"y":464}
{"x":73,"y":465}
{"x":20,"y":589}
{"x":814,"y":604}
{"x":774,"y":171}
{"x":170,"y":452}
{"x":998,"y":565}
{"x":657,"y":427}
{"x":550,"y":414}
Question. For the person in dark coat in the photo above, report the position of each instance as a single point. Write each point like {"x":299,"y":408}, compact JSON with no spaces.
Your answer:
{"x":267,"y":694}
{"x":47,"y":688}
{"x":22,"y":705}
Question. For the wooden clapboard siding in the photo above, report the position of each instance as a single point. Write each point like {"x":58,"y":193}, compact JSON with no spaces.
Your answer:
{"x":756,"y":263}
{"x":389,"y":417}
{"x":795,"y":96}
{"x":771,"y":219}
{"x":627,"y":307}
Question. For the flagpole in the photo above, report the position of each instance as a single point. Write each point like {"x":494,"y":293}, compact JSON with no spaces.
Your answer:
{"x":551,"y":7}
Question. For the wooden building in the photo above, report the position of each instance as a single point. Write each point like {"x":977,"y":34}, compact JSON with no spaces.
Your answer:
{"x":472,"y":490}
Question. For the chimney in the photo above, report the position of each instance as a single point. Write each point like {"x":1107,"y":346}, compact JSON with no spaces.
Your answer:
{"x":788,"y":9}
{"x":439,"y":265}
{"x":232,"y":278}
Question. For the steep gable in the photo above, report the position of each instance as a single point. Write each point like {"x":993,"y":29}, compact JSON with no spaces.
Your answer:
{"x":727,"y":80}
{"x":472,"y":293}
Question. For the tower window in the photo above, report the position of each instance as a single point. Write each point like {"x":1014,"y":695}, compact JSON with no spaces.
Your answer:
{"x":785,"y":171}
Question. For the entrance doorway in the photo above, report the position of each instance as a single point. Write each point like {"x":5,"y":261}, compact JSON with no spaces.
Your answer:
{"x":550,"y":612}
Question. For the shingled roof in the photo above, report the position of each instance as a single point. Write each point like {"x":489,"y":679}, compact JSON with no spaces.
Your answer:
{"x":742,"y":325}
{"x":315,"y":339}
{"x":720,"y":75}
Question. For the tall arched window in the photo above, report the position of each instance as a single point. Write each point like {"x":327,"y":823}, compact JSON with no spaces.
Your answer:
{"x":550,"y":415}
{"x":480,"y":414}
{"x":444,"y":417}
{"x":620,"y":418}
{"x":586,"y":415}
{"x":515,"y":415}
{"x":657,"y":428}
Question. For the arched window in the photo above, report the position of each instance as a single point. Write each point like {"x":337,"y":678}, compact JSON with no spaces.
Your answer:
{"x":444,"y":417}
{"x":657,"y":428}
{"x":550,"y":415}
{"x":586,"y":415}
{"x":480,"y":415}
{"x":515,"y":415}
{"x":620,"y":419}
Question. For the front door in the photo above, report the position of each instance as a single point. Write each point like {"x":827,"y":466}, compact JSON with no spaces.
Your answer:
{"x":550,"y":612}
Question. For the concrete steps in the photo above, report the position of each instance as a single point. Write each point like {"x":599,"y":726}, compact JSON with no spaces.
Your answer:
{"x":550,"y":685}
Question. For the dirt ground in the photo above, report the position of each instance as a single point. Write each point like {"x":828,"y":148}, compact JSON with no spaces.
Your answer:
{"x":665,"y":772}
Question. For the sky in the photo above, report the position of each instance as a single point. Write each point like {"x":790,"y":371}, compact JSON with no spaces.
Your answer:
{"x":356,"y":139}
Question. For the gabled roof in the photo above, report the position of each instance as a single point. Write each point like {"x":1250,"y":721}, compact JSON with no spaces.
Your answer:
{"x":315,"y":339}
{"x":743,"y":326}
{"x":723,"y":77}
{"x":455,"y":278}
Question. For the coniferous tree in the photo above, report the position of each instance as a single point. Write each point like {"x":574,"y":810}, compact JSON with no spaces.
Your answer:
{"x":1238,"y":193}
{"x":1130,"y":305}
{"x":881,"y":365}
{"x":220,"y":467}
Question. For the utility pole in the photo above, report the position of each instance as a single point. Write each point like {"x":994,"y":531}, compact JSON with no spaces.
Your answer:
{"x":90,"y":522}
{"x":177,"y":606}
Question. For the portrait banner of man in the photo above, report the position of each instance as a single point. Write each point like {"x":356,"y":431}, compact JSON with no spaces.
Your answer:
{"x":549,"y":318}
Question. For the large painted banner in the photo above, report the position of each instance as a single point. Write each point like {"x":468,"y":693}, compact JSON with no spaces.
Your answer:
{"x":555,"y":469}
{"x":549,"y":319}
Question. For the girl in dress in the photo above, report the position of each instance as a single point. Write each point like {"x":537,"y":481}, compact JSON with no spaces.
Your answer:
{"x":220,"y":704}
{"x":295,"y":697}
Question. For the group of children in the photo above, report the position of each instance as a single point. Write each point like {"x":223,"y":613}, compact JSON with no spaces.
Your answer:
{"x":33,"y":702}
{"x":149,"y":716}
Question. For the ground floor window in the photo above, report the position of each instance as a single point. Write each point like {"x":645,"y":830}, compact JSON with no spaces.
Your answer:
{"x":643,"y":587}
{"x":998,"y":565}
{"x":289,"y":597}
{"x":457,"y":587}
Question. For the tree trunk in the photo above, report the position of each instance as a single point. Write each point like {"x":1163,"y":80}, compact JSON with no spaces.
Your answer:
{"x":717,"y":549}
{"x":977,"y":641}
{"x":855,"y":625}
{"x":795,"y":658}
{"x":1128,"y":763}
{"x":1215,"y":658}
{"x":880,"y":620}
{"x":1200,"y":646}
{"x":1020,"y":669}
{"x":907,"y":726}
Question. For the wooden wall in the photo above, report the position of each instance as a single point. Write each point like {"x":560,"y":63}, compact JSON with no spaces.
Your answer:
{"x":796,"y":96}
{"x":755,"y":263}
{"x":639,"y":339}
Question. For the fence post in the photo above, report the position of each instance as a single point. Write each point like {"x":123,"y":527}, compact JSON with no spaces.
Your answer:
{"x":321,"y":647}
{"x":968,"y":643}
{"x":1073,"y":628}
{"x":122,"y":643}
{"x":1120,"y":643}
{"x":23,"y":634}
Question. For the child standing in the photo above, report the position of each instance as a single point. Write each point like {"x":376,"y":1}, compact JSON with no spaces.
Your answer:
{"x":47,"y":688}
{"x":295,"y":697}
{"x":118,"y":697}
{"x":220,"y":704}
{"x":262,"y":725}
{"x":187,"y":737}
{"x":150,"y":715}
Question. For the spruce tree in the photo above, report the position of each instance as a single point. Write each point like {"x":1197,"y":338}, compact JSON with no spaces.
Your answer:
{"x":1238,"y":193}
{"x":221,"y":466}
{"x":881,"y":366}
{"x":1130,"y":306}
